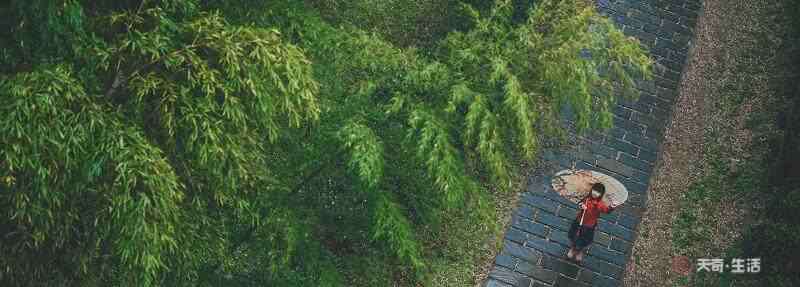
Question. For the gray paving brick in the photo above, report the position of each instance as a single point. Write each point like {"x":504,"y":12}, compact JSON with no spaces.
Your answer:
{"x":655,"y":29}
{"x":553,"y":221}
{"x":620,"y":245}
{"x":682,"y":41}
{"x":537,"y":272}
{"x":693,"y":5}
{"x":642,"y":142}
{"x":585,"y":275}
{"x":634,"y":211}
{"x":659,"y":53}
{"x":655,"y":132}
{"x":672,"y":75}
{"x":649,"y":119}
{"x":610,"y":217}
{"x":528,"y":282}
{"x":633,"y":186}
{"x":528,"y":226}
{"x":644,"y":6}
{"x":628,"y":125}
{"x":567,"y":212}
{"x":516,"y":235}
{"x":622,"y":146}
{"x":506,"y":260}
{"x":647,"y":39}
{"x":546,"y":246}
{"x":495,"y":283}
{"x":539,"y":202}
{"x":663,"y":113}
{"x":604,"y":281}
{"x":668,"y":94}
{"x":597,"y":265}
{"x":564,"y":281}
{"x":615,"y":230}
{"x":561,"y":159}
{"x":548,"y":191}
{"x":622,"y":112}
{"x":628,"y":221}
{"x":521,"y":252}
{"x":611,"y":256}
{"x":689,"y":22}
{"x":648,"y":99}
{"x":601,"y":238}
{"x":641,"y":176}
{"x":678,"y":57}
{"x":642,"y":16}
{"x":648,"y":156}
{"x":683,"y":12}
{"x":549,"y":155}
{"x":560,"y":266}
{"x":636,"y":199}
{"x":664,"y":82}
{"x":615,"y":166}
{"x":673,"y":27}
{"x":634,"y":105}
{"x":583,"y":165}
{"x":559,"y":236}
{"x":632,"y":23}
{"x":591,"y":135}
{"x":603,"y":150}
{"x":525,"y":211}
{"x":646,"y":86}
{"x":504,"y":275}
{"x":541,"y":176}
{"x":666,"y":45}
{"x":582,"y":154}
{"x":667,"y":16}
{"x":616,"y":133}
{"x":636,"y":163}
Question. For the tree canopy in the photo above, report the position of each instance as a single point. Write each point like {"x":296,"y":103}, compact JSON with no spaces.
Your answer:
{"x":207,"y":143}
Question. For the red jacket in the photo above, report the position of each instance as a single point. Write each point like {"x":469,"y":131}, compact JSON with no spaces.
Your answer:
{"x":593,"y":209}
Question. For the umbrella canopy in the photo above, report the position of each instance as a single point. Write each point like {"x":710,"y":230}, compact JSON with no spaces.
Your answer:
{"x":575,"y":185}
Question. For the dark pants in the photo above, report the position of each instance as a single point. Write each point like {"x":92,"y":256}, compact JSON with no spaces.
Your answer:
{"x":581,"y":236}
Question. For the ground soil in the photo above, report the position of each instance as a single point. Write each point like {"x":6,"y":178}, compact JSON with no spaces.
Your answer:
{"x":723,"y":32}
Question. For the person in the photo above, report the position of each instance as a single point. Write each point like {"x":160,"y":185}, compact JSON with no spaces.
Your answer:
{"x":581,"y":233}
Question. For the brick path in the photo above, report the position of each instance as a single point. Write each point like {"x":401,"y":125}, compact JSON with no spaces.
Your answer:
{"x":535,"y":246}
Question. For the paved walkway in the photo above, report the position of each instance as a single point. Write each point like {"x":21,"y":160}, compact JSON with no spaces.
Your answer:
{"x":535,"y":246}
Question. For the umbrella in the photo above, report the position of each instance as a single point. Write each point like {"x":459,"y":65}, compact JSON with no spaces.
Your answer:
{"x":575,"y":185}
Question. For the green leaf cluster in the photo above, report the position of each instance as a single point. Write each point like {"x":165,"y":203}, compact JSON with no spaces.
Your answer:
{"x":208,"y":143}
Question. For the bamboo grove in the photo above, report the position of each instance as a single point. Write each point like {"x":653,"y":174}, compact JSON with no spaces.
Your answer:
{"x":241,"y":143}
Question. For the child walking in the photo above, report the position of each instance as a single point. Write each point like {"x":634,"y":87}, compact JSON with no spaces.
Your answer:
{"x":581,"y":233}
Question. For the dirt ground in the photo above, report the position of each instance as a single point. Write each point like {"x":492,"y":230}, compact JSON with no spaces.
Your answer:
{"x":723,"y":32}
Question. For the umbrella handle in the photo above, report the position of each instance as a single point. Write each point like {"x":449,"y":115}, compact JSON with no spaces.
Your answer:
{"x":580,"y":225}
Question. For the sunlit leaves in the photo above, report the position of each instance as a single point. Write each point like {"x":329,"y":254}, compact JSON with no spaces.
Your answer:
{"x":392,"y":226}
{"x":366,"y":152}
{"x":441,"y":158}
{"x":178,"y":124}
{"x":53,"y":122}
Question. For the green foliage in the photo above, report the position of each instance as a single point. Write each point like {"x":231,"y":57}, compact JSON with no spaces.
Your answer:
{"x":366,"y":152}
{"x":210,"y":143}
